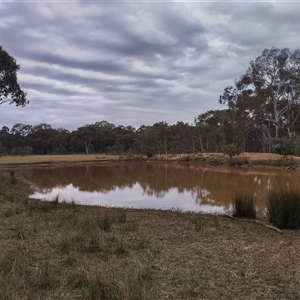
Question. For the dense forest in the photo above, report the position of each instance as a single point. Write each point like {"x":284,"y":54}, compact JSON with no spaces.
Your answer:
{"x":261,"y":115}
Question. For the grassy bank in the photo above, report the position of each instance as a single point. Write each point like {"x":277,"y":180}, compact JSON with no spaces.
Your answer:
{"x":64,"y":251}
{"x":244,"y":159}
{"x":55,"y":159}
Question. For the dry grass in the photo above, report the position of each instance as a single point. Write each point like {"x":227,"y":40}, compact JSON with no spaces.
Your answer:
{"x":253,"y":156}
{"x":64,"y":251}
{"x":210,"y":158}
{"x":52,"y":159}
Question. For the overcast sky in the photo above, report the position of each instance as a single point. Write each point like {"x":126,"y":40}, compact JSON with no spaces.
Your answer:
{"x":134,"y":63}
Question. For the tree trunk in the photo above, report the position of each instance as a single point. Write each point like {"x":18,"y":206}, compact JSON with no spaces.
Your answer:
{"x":87,"y":145}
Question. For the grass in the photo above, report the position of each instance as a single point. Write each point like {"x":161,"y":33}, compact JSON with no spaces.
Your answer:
{"x":282,"y":163}
{"x":244,"y":206}
{"x":238,"y":161}
{"x":203,"y":158}
{"x":50,"y":159}
{"x":284,"y":208}
{"x":53,"y":250}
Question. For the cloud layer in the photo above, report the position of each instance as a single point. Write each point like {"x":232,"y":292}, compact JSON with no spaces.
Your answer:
{"x":134,"y":63}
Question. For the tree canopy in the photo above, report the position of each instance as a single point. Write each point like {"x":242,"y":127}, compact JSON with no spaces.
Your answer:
{"x":269,"y":92}
{"x":10,"y":90}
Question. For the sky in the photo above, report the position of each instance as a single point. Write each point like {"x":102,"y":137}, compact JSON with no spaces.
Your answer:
{"x":135,"y":63}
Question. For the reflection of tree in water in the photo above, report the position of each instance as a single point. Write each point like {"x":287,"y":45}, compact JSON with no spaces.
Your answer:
{"x":208,"y":185}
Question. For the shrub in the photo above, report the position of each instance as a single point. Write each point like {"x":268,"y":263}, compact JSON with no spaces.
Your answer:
{"x":12,"y":178}
{"x":244,"y":206}
{"x":282,"y":146}
{"x":230,"y":149}
{"x":284,"y":208}
{"x":238,"y":161}
{"x":104,"y":221}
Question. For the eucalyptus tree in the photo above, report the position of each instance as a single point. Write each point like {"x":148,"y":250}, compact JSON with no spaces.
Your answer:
{"x":182,"y":138}
{"x":144,"y":141}
{"x":42,"y":138}
{"x":21,"y":129}
{"x":214,"y":129}
{"x":104,"y":136}
{"x":10,"y":90}
{"x":161,"y":135}
{"x":123,"y":139}
{"x":86,"y":134}
{"x":268,"y":91}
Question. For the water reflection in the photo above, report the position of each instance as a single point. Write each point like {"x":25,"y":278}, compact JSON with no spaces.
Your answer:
{"x":156,"y":185}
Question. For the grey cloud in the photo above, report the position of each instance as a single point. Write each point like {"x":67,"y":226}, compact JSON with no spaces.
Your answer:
{"x":135,"y":63}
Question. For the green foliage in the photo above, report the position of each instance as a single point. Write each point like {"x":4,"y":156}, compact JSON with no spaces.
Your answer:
{"x":282,"y":146}
{"x":244,"y":206}
{"x":230,"y":149}
{"x":10,"y":90}
{"x":284,"y":208}
{"x":267,"y":97}
{"x":296,"y":146}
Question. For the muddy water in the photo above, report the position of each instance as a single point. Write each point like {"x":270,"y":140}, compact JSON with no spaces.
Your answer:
{"x":162,"y":186}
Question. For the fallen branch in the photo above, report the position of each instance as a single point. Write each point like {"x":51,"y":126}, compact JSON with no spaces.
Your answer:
{"x":256,"y":222}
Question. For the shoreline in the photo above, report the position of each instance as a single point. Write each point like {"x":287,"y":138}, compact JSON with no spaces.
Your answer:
{"x":256,"y":160}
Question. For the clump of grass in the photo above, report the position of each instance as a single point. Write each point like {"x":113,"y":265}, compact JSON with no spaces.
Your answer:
{"x":119,"y":285}
{"x":121,"y":216}
{"x":96,"y":241}
{"x":104,"y":221}
{"x":131,"y":226}
{"x":48,"y":206}
{"x":244,"y":206}
{"x":45,"y":279}
{"x":284,"y":208}
{"x":12,"y":178}
{"x":197,"y":223}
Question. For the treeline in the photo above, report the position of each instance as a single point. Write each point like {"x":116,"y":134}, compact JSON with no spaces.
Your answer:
{"x":213,"y":131}
{"x":262,"y":115}
{"x":101,"y":137}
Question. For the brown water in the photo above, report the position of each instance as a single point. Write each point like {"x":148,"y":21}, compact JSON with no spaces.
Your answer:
{"x":161,"y":186}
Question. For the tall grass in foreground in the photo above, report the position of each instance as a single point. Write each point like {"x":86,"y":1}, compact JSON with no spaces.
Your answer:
{"x":244,"y":206}
{"x":284,"y":208}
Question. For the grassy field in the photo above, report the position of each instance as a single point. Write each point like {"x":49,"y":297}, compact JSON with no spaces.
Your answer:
{"x":64,"y":251}
{"x":54,"y":159}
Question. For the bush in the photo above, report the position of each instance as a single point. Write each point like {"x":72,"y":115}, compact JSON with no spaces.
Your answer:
{"x":296,"y":146}
{"x":238,"y":161}
{"x":230,"y":149}
{"x":284,"y":208}
{"x":282,"y":146}
{"x":244,"y":206}
{"x":12,"y":178}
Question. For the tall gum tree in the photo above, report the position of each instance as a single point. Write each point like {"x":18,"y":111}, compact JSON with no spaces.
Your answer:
{"x":10,"y":90}
{"x":269,"y":91}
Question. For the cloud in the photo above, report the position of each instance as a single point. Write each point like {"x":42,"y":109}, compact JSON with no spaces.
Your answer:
{"x":134,"y":63}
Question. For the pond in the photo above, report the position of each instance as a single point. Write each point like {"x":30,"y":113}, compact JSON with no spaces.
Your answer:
{"x":155,"y":185}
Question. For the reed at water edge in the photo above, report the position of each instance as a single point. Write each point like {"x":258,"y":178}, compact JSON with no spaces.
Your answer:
{"x":284,"y":208}
{"x":244,"y":206}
